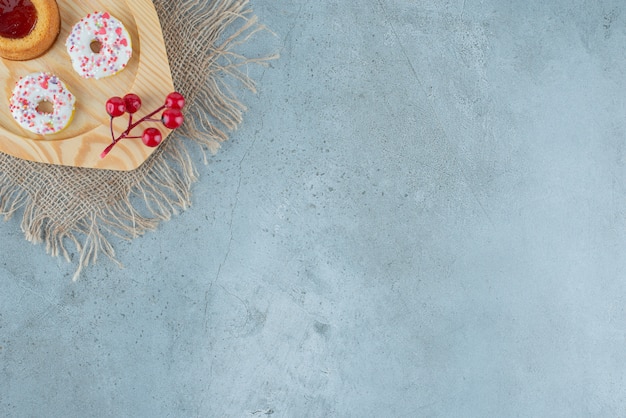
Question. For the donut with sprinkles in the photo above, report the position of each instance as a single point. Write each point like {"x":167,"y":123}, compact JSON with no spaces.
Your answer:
{"x":30,"y":92}
{"x":99,"y":46}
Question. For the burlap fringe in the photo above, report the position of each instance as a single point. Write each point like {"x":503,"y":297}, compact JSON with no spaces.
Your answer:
{"x":163,"y":187}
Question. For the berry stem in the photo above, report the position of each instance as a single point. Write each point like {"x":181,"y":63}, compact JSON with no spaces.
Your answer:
{"x":108,"y":149}
{"x":144,"y":119}
{"x":131,"y":126}
{"x":111,"y":126}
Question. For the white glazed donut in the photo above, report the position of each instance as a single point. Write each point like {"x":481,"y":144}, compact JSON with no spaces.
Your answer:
{"x":114,"y":42}
{"x":32,"y":90}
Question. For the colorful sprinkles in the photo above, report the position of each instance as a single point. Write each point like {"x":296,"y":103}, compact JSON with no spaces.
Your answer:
{"x":114,"y":43}
{"x":32,"y":90}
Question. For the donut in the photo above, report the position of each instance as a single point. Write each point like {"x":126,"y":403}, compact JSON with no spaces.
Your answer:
{"x":28,"y":28}
{"x":31,"y":92}
{"x":103,"y":33}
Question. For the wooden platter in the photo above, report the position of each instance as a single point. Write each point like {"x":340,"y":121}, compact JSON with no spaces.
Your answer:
{"x":80,"y":144}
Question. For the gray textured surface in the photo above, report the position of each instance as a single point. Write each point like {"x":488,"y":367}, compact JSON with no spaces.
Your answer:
{"x":422,"y":215}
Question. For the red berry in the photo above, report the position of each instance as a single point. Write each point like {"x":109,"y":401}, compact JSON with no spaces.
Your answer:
{"x":175,"y":100}
{"x":132,"y":102}
{"x":115,"y":106}
{"x":172,"y":118}
{"x":152,"y":137}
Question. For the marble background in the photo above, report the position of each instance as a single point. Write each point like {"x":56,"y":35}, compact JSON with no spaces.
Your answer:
{"x":421,"y":216}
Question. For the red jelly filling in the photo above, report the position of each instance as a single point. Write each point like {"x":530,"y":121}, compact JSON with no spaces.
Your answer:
{"x":17,"y":18}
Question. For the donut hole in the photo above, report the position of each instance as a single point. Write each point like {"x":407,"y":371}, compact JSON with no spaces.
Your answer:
{"x":45,"y":107}
{"x":96,"y":46}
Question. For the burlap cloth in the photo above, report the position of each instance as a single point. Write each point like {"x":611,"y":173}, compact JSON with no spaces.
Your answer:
{"x":85,"y":208}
